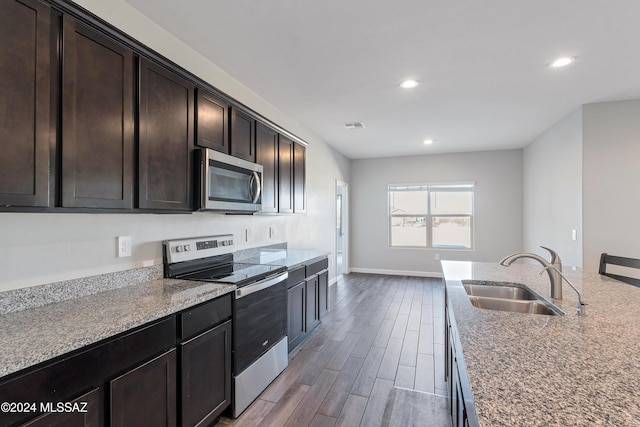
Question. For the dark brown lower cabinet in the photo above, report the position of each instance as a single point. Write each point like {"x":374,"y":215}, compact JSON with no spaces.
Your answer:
{"x":89,"y":413}
{"x":307,"y":299}
{"x":146,"y":395}
{"x":457,"y":405}
{"x":296,"y":313}
{"x":206,"y":376}
{"x":323,"y":292}
{"x":174,"y":371}
{"x":313,"y":309}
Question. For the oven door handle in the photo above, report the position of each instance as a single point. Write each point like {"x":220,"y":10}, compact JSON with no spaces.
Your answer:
{"x":262,"y":284}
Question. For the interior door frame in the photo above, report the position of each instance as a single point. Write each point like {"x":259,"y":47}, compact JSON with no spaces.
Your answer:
{"x":342,"y":188}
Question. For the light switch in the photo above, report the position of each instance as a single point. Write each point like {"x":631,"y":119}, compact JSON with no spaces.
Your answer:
{"x":574,"y":234}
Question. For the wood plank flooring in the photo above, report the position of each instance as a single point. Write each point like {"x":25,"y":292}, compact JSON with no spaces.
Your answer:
{"x":381,"y":332}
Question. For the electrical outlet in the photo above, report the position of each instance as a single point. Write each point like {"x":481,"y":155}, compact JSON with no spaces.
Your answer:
{"x":437,"y":257}
{"x":247,"y":234}
{"x":272,"y":232}
{"x":124,"y":246}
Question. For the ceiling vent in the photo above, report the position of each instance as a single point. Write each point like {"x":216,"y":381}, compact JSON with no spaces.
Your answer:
{"x":353,"y":125}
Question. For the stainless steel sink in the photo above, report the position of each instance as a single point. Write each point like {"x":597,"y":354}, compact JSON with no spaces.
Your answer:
{"x":516,"y":306}
{"x":507,"y":296}
{"x":507,"y":292}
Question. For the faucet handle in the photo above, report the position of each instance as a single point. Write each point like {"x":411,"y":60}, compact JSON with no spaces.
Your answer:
{"x":555,"y":258}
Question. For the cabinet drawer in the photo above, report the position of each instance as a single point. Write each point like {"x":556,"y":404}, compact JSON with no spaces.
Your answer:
{"x":296,"y":276}
{"x":204,"y":316}
{"x":318,"y":266}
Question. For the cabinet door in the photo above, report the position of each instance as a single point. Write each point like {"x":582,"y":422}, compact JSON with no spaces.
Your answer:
{"x":323,"y":292}
{"x":146,"y":395}
{"x":285,"y":175}
{"x":166,"y":139}
{"x":299,"y":178}
{"x":206,"y":376}
{"x":296,"y":314}
{"x":312,"y":307}
{"x":212,"y":122}
{"x":97,"y":120}
{"x":243,"y":143}
{"x":267,"y":156}
{"x":25,"y":108}
{"x":89,"y":413}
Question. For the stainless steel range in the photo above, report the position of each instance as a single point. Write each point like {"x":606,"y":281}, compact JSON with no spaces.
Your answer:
{"x":259,"y":339}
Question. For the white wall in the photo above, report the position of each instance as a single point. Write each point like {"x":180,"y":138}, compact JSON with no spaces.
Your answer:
{"x":552,"y":178}
{"x":498,"y":207}
{"x":611,"y":178}
{"x":43,"y":248}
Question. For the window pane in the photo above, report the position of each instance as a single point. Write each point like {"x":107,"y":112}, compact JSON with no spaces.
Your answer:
{"x":451,"y":232}
{"x":409,"y":231}
{"x":408,"y":202}
{"x":451,"y":202}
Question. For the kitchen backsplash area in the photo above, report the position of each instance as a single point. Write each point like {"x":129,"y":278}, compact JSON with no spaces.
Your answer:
{"x":36,"y":296}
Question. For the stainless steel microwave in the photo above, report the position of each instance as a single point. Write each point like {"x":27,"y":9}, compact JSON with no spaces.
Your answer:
{"x":227,"y":183}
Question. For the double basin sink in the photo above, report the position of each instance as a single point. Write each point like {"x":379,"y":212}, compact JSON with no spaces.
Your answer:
{"x":504,"y":296}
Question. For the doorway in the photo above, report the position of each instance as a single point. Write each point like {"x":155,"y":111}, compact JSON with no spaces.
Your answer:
{"x":342,"y":228}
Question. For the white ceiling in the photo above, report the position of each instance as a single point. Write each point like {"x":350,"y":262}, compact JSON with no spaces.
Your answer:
{"x":482,"y":64}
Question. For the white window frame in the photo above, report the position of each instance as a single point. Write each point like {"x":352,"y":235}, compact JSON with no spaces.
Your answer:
{"x":450,"y":187}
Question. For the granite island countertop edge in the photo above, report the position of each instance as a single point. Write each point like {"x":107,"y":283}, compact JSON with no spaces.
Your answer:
{"x":528,"y":369}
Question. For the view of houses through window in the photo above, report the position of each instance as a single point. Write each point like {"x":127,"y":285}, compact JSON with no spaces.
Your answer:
{"x":431,"y":216}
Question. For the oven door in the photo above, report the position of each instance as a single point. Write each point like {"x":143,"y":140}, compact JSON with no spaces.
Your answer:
{"x":260,"y":319}
{"x":229,"y":184}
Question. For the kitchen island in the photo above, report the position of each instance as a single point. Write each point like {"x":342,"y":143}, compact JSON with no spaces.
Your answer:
{"x":542,"y":370}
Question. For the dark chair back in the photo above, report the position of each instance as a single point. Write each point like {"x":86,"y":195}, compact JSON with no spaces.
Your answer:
{"x":621,"y":261}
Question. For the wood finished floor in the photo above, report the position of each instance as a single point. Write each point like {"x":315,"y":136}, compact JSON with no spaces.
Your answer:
{"x":381,"y":332}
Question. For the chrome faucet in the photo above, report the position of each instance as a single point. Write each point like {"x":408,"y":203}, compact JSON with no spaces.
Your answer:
{"x":581,"y":310}
{"x":553,"y":268}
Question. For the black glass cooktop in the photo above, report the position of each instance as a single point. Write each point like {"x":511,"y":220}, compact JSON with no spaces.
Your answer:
{"x":236,"y":273}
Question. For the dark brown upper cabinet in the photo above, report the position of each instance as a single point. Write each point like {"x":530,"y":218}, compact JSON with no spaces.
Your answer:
{"x":97,"y":120}
{"x":166,"y":139}
{"x":212,"y":122}
{"x":267,"y":156}
{"x":25,"y":103}
{"x":243,"y":143}
{"x":285,"y":175}
{"x":299,"y":178}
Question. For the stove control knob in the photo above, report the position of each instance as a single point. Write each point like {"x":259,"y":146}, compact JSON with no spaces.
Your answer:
{"x":187,"y":248}
{"x":179,"y":248}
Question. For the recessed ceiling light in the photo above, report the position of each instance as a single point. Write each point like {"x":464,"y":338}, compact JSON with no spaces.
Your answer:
{"x":561,"y":62}
{"x":427,"y":141}
{"x":409,"y":84}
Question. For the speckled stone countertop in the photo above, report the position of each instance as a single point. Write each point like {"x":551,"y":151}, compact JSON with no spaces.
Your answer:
{"x":290,"y":258}
{"x":538,"y":370}
{"x":34,"y":335}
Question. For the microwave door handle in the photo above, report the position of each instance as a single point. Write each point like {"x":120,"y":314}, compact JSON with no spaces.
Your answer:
{"x":255,"y":180}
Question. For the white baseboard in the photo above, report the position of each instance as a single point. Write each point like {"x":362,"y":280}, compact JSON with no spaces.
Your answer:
{"x":396,"y":272}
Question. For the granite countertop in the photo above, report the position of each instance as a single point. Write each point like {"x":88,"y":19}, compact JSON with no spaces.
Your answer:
{"x":538,"y":370}
{"x":34,"y":335}
{"x":290,"y":258}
